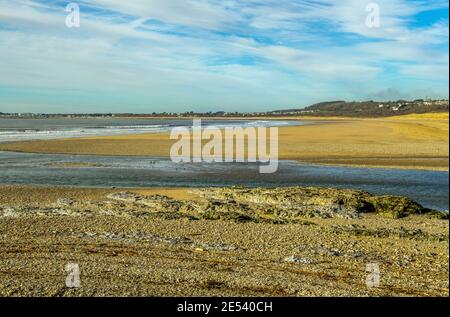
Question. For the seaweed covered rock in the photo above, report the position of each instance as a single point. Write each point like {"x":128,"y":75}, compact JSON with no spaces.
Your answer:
{"x":155,"y":202}
{"x":267,"y":205}
{"x":293,"y":202}
{"x":395,"y":206}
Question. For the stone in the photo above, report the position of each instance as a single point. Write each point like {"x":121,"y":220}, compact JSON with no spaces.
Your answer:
{"x":294,"y":259}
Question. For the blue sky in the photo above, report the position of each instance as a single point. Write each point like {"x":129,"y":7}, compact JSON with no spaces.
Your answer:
{"x":211,"y":55}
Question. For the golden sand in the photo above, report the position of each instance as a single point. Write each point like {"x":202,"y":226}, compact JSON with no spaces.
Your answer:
{"x":26,"y":195}
{"x":430,"y":115}
{"x":413,"y":141}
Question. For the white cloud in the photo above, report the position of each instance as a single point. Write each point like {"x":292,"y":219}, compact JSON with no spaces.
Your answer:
{"x":296,"y":51}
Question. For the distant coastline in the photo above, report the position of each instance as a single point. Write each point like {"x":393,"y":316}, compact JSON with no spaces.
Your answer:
{"x":364,"y":109}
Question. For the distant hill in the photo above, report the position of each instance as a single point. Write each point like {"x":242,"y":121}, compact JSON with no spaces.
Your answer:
{"x":324,"y":109}
{"x":369,"y":108}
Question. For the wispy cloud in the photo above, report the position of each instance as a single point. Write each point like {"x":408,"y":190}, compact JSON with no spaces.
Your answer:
{"x":178,"y":55}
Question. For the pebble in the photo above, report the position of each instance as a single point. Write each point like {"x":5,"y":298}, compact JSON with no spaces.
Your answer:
{"x":294,"y":259}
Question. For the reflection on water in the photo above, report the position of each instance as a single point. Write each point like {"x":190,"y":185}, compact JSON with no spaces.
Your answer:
{"x":427,"y":187}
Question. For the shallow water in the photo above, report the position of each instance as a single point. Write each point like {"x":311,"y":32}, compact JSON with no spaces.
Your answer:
{"x":427,"y":187}
{"x":54,"y":128}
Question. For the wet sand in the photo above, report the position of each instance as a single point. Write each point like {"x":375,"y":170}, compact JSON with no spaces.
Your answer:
{"x":413,"y":142}
{"x":156,"y":255}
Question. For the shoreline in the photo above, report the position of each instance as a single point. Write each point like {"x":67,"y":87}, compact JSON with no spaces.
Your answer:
{"x":419,"y":143}
{"x":314,"y":161}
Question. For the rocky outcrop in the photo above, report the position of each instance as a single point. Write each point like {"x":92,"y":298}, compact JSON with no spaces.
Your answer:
{"x":396,"y":207}
{"x":293,"y":202}
{"x":154,"y":202}
{"x":271,"y":205}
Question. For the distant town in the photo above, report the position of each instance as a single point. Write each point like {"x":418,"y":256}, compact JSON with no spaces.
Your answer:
{"x":330,"y":108}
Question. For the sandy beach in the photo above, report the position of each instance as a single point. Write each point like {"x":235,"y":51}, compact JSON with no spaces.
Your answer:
{"x":231,"y":241}
{"x":224,"y":152}
{"x":413,"y":142}
{"x":128,"y":248}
